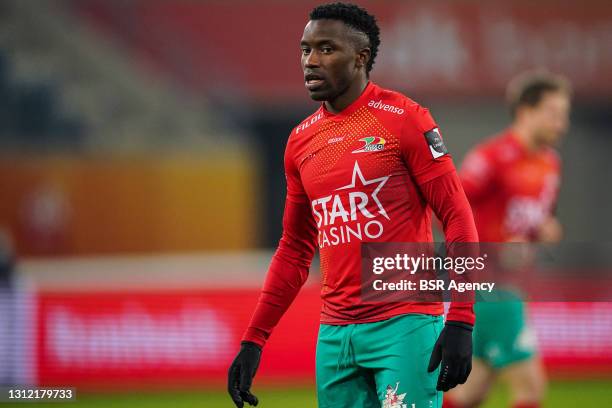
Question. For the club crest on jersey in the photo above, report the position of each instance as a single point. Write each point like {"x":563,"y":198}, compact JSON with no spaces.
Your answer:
{"x":371,"y":144}
{"x":392,"y":400}
{"x":435,"y":142}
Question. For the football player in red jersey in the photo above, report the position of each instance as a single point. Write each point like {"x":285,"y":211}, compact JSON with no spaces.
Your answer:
{"x":512,"y":182}
{"x":366,"y":166}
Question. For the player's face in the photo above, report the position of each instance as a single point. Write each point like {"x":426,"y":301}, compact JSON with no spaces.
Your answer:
{"x":550,"y":118}
{"x":329,"y":59}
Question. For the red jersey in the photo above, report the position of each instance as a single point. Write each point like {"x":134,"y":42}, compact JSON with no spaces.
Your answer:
{"x":512,"y":191}
{"x":362,"y":175}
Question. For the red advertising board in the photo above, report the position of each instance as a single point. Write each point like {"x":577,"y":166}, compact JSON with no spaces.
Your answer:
{"x":116,"y":339}
{"x":126,"y":339}
{"x":574,"y":338}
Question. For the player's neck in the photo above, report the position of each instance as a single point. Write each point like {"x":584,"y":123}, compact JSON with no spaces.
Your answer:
{"x":524,"y":135}
{"x":352,"y":93}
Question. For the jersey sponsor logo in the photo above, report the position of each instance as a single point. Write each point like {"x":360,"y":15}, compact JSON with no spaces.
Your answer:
{"x":308,"y":122}
{"x":371,"y":144}
{"x":525,"y":214}
{"x":385,"y":107}
{"x":350,"y":214}
{"x":392,"y":399}
{"x":335,"y":139}
{"x":435,"y":142}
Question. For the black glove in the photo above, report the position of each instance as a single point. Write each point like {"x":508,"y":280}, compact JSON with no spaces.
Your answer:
{"x":454,"y":350}
{"x":241,"y":373}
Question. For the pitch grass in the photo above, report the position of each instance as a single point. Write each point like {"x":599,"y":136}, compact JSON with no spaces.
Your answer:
{"x":561,"y":394}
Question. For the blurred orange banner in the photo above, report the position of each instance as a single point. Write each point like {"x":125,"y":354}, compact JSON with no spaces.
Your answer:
{"x":103,"y":205}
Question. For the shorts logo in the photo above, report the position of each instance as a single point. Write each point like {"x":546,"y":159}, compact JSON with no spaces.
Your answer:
{"x":436,"y":144}
{"x":392,"y":400}
{"x":371,"y":144}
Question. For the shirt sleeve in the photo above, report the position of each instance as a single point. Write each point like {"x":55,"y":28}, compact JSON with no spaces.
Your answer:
{"x":445,"y":196}
{"x":290,"y":264}
{"x":477,"y":174}
{"x":422,"y":147}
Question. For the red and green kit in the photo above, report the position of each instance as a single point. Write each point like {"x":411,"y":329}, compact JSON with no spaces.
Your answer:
{"x":371,"y":173}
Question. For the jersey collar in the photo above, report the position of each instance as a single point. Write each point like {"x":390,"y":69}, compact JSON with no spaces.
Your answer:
{"x":356,"y":104}
{"x":520,"y":146}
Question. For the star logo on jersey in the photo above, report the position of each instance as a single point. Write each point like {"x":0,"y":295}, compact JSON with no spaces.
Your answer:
{"x":352,"y":212}
{"x":371,"y":144}
{"x":381,"y":182}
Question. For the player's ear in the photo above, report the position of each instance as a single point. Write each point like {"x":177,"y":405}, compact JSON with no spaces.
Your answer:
{"x":363,"y":56}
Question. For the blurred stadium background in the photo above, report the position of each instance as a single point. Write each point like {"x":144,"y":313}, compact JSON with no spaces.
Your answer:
{"x":142,"y":186}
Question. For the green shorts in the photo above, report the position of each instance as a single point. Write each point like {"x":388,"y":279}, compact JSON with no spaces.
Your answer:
{"x":501,"y":335}
{"x":378,"y":364}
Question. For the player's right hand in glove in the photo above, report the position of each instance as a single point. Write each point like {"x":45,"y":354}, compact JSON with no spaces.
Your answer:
{"x":454,"y":351}
{"x":241,"y":373}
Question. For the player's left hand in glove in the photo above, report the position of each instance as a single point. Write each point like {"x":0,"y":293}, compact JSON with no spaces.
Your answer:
{"x":241,"y":373}
{"x":454,"y":351}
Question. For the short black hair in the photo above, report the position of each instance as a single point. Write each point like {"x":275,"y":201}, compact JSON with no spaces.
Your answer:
{"x":355,"y":17}
{"x":528,"y":88}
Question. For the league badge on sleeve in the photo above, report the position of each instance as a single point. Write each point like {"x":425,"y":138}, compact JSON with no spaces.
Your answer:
{"x":435,"y":142}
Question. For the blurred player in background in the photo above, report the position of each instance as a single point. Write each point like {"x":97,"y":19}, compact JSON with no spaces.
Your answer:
{"x":512,"y":182}
{"x":366,"y":166}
